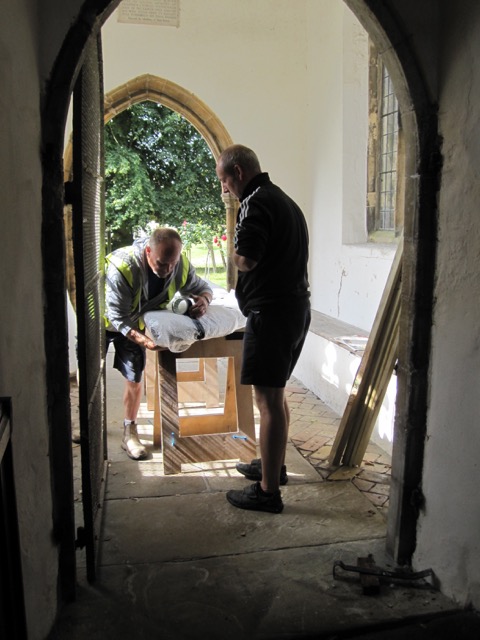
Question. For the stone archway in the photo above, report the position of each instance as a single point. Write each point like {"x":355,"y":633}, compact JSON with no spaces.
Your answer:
{"x":166,"y":92}
{"x":422,"y":157}
{"x":422,"y":171}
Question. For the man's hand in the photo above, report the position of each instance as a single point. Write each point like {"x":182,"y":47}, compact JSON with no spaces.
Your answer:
{"x":200,"y":306}
{"x":140,"y":338}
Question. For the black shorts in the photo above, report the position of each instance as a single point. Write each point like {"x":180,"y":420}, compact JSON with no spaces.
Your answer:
{"x":272,"y":344}
{"x":130,"y":358}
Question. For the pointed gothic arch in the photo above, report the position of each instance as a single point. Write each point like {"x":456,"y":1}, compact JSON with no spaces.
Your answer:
{"x":175,"y":97}
{"x":171,"y":95}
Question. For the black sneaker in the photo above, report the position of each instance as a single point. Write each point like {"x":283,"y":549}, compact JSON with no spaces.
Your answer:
{"x":253,"y":471}
{"x":254,"y":499}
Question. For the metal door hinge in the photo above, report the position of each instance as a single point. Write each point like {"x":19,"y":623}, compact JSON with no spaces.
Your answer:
{"x":370,"y":574}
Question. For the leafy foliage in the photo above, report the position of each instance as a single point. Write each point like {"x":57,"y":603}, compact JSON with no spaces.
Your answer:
{"x":158,"y":168}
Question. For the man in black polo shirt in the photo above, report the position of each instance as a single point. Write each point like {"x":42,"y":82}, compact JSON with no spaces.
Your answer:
{"x":271,"y":254}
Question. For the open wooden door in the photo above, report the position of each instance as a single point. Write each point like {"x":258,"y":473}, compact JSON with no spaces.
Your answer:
{"x":89,"y":254}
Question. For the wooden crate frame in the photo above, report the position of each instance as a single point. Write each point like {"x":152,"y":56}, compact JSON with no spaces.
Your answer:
{"x":216,"y":434}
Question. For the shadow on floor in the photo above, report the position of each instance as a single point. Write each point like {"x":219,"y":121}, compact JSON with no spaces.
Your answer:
{"x":177,"y":562}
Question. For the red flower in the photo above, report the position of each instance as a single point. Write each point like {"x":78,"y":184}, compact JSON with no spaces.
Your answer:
{"x":184,"y":223}
{"x":224,"y":237}
{"x":215,"y":239}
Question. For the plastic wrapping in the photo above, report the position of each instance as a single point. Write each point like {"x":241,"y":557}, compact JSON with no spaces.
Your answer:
{"x":178,"y":332}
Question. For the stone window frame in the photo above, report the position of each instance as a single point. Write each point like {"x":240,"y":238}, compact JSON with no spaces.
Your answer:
{"x":376,"y":233}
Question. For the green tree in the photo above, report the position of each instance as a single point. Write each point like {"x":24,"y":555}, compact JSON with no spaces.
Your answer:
{"x":157,"y":168}
{"x":207,"y":236}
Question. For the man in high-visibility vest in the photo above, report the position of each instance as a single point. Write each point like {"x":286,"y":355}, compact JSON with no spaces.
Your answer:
{"x":140,"y":278}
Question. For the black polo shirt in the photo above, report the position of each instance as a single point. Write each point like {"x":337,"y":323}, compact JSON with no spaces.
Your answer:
{"x":271,"y":229}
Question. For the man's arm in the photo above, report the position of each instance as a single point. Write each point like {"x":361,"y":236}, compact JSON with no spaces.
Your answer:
{"x":242,"y":263}
{"x":118,"y":303}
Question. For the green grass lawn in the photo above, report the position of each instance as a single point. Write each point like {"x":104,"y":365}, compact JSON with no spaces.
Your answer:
{"x":217,"y":274}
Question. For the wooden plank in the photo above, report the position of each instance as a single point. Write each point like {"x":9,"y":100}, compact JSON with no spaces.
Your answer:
{"x":150,"y":373}
{"x":170,"y":428}
{"x":377,"y":378}
{"x":212,"y":383}
{"x":224,"y":421}
{"x":202,"y":385}
{"x":196,"y":375}
{"x":373,"y":375}
{"x":157,"y":422}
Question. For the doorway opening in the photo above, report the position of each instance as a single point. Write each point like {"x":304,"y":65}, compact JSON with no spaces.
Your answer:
{"x":419,"y":248}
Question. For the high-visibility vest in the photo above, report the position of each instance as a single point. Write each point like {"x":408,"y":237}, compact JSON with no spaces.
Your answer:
{"x":125,"y":268}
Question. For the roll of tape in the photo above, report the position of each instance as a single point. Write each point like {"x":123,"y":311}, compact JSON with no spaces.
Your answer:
{"x":181,"y":305}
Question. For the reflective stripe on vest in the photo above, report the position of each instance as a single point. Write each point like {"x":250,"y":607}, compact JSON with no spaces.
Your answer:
{"x":124,"y":268}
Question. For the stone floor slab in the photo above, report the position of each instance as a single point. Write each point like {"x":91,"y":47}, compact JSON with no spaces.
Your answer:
{"x":177,"y":562}
{"x":170,"y":528}
{"x":281,"y":594}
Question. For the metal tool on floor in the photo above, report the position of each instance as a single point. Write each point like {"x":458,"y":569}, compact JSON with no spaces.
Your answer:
{"x":370,"y":574}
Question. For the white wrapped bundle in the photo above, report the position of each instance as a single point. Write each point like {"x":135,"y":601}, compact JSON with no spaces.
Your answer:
{"x":178,"y":332}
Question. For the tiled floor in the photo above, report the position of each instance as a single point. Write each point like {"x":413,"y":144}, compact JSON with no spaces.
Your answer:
{"x":313,"y":427}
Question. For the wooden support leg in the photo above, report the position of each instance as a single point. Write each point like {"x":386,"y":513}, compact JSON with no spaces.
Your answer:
{"x":150,"y":375}
{"x":211,"y":435}
{"x":246,"y":420}
{"x":157,"y":419}
{"x":169,"y":412}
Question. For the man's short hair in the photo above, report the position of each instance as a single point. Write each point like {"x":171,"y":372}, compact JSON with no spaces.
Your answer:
{"x":241,"y":155}
{"x":164,"y":234}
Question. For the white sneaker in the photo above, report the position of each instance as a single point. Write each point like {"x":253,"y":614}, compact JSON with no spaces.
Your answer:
{"x":131,"y":444}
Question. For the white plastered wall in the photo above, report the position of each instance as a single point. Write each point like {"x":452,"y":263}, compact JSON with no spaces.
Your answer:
{"x":250,"y":83}
{"x":22,"y":356}
{"x":348,"y":274}
{"x":448,"y":537}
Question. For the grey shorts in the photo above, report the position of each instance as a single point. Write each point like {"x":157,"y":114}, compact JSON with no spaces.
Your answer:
{"x":272,"y":344}
{"x":129,"y":358}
